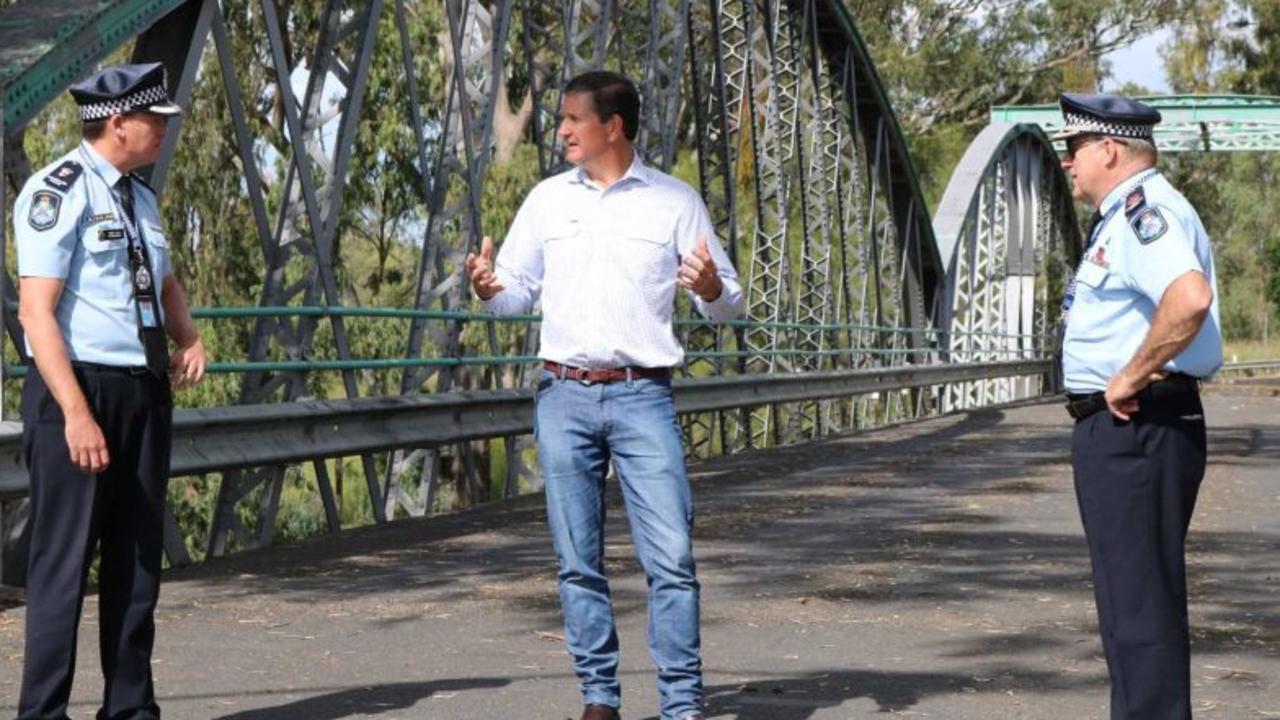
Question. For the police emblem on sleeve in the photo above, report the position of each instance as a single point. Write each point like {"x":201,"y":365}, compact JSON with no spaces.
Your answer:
{"x":44,"y":209}
{"x":1149,"y":225}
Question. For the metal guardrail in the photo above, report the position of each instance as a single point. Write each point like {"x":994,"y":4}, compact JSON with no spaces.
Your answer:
{"x":1252,"y":366}
{"x":239,"y":436}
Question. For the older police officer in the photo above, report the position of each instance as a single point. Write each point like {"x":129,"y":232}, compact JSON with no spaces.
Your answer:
{"x":97,"y":297}
{"x":1141,"y":330}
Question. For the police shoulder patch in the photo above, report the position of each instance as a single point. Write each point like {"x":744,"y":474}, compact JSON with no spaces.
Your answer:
{"x":64,"y":176}
{"x":1149,"y":225}
{"x":45,"y":205}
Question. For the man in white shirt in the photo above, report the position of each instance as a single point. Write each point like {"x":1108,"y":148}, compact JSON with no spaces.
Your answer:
{"x":604,"y":246}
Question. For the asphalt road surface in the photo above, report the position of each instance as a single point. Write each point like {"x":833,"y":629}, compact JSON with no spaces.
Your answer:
{"x":932,"y":570}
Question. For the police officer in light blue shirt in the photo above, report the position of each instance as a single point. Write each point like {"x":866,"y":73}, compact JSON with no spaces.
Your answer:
{"x":97,"y":299}
{"x":79,"y":233}
{"x":1141,"y":331}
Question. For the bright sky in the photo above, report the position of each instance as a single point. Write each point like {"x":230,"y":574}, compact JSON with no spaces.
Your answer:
{"x":1139,"y":63}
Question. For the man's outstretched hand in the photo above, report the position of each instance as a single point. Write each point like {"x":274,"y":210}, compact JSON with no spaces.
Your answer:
{"x":698,"y":272}
{"x":480,"y":269}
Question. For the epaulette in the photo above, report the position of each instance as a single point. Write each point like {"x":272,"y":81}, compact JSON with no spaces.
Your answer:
{"x":1134,"y":202}
{"x":64,"y":176}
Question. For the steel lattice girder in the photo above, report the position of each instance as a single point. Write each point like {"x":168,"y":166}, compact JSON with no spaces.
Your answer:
{"x":1006,"y":225}
{"x":781,"y":94}
{"x":1190,"y":123}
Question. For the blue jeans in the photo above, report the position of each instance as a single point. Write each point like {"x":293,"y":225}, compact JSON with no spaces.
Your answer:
{"x":579,"y":429}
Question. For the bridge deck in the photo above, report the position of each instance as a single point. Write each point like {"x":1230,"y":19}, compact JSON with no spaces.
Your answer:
{"x":933,"y":570}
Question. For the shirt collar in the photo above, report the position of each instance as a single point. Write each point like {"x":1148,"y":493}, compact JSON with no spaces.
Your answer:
{"x":1122,"y":190}
{"x":103,"y":167}
{"x":637,"y":171}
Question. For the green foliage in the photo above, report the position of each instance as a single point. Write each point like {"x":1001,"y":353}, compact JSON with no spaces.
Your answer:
{"x":1232,"y":47}
{"x":946,"y":62}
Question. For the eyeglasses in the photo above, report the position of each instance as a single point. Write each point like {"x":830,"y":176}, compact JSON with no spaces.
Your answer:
{"x":1080,"y":142}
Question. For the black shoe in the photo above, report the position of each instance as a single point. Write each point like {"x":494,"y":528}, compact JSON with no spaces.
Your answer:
{"x":595,"y":711}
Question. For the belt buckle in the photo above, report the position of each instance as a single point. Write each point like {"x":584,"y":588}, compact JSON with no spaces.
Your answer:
{"x":584,"y":377}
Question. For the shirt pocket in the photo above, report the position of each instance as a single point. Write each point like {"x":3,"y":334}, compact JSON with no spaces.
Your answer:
{"x":105,"y":242}
{"x":1092,"y":275}
{"x":561,"y":229}
{"x":645,"y":248}
{"x":562,"y":240}
{"x":157,"y":247}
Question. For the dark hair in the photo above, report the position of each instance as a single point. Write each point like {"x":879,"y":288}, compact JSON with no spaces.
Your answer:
{"x":93,"y":129}
{"x":611,"y":94}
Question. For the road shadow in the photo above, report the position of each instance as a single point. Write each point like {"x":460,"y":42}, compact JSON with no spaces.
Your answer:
{"x":969,"y":508}
{"x":802,"y":697}
{"x":364,"y":701}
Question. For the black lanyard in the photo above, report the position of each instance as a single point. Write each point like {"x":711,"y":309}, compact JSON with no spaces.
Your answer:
{"x":146,"y":302}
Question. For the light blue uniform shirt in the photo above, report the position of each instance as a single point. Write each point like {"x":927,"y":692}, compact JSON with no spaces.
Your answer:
{"x":1141,"y":247}
{"x":68,"y":225}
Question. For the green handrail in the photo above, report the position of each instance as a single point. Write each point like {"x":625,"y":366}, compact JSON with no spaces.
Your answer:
{"x":220,"y":313}
{"x":215,"y":313}
{"x":18,"y":371}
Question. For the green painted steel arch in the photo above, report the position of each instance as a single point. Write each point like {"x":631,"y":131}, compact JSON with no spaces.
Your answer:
{"x":49,"y":44}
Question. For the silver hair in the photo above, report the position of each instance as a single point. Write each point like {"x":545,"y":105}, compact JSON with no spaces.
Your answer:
{"x":1140,"y":148}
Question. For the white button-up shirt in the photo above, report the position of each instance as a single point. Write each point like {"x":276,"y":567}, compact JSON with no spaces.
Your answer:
{"x":604,"y":262}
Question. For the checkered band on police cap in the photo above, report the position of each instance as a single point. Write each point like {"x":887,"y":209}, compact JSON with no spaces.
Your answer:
{"x":1082,"y":123}
{"x":140,"y":99}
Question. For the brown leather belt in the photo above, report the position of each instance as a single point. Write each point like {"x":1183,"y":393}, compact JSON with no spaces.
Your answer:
{"x":1081,"y":406}
{"x":589,"y":376}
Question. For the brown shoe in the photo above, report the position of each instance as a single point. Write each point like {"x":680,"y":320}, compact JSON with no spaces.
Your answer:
{"x":596,"y":711}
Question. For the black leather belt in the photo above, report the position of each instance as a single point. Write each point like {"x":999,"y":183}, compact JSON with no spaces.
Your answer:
{"x":588,"y":376}
{"x":1082,"y":405}
{"x":114,"y":369}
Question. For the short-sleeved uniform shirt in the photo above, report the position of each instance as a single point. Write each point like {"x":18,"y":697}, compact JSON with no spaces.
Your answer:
{"x":1149,"y":237}
{"x":69,"y":225}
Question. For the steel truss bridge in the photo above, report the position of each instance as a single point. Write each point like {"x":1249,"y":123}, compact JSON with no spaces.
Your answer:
{"x":1189,"y":123}
{"x":862,"y":308}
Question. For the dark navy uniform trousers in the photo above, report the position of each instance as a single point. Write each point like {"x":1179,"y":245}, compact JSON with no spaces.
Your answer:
{"x":121,"y":512}
{"x":1136,"y":483}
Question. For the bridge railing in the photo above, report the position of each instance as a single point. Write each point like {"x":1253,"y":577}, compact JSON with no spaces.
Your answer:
{"x":1250,"y":368}
{"x":997,"y":345}
{"x":863,"y":386}
{"x":236,"y":436}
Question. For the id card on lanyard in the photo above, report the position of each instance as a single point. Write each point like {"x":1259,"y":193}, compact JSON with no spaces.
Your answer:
{"x":144,"y":290}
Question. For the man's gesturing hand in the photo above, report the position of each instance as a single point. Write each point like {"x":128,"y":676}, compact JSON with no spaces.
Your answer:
{"x":698,"y":273}
{"x":480,"y":268}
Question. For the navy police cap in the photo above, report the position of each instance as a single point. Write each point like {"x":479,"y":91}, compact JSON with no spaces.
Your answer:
{"x":1098,"y":114}
{"x":124,"y":88}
